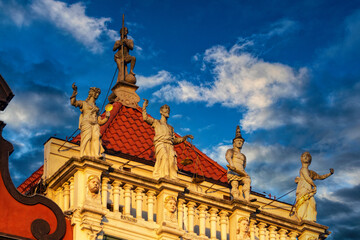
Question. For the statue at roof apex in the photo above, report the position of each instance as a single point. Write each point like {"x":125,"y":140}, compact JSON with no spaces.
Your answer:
{"x":122,"y":57}
{"x":89,"y":123}
{"x":236,"y":169}
{"x":305,"y":206}
{"x":164,"y":141}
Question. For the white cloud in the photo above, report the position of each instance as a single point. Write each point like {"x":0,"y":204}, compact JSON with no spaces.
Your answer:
{"x":241,"y":80}
{"x":33,"y":110}
{"x":281,"y":27}
{"x":16,"y":12}
{"x":73,"y":19}
{"x":155,"y":80}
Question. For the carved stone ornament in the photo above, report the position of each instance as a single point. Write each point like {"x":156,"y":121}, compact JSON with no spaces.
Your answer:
{"x":243,"y":231}
{"x":170,"y":209}
{"x":93,"y":186}
{"x":125,"y":93}
{"x":24,"y":217}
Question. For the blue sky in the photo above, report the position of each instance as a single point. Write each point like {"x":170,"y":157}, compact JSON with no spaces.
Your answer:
{"x":286,"y":72}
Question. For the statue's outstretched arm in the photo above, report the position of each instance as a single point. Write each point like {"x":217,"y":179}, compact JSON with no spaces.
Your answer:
{"x":322,"y":177}
{"x":73,"y":97}
{"x":182,"y":139}
{"x":146,"y":118}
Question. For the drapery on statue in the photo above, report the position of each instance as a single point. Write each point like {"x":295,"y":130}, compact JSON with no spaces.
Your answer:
{"x":89,"y":123}
{"x":305,"y":206}
{"x":236,"y":168}
{"x":122,"y":57}
{"x":164,"y":141}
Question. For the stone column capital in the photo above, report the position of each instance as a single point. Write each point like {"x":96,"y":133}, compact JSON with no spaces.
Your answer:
{"x":139,"y":190}
{"x":213,"y":210}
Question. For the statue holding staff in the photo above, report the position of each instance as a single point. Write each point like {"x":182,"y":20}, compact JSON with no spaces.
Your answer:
{"x":164,"y":141}
{"x":122,"y":56}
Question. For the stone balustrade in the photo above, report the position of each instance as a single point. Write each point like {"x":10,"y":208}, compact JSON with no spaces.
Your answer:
{"x":135,"y":200}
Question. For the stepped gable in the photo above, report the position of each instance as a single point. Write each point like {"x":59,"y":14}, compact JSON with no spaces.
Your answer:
{"x":126,"y":134}
{"x":31,"y":181}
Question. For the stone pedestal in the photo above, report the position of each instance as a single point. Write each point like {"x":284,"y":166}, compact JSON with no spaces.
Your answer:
{"x":169,"y":232}
{"x":125,"y":93}
{"x":169,"y":228}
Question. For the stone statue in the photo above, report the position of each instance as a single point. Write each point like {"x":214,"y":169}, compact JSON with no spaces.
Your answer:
{"x":122,"y":57}
{"x":236,"y":168}
{"x":305,"y":206}
{"x":93,"y":185}
{"x":170,"y":207}
{"x":89,"y":123}
{"x":243,"y":231}
{"x":164,"y":141}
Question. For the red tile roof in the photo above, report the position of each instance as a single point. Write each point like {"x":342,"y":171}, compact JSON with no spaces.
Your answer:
{"x":31,"y":181}
{"x":126,"y":133}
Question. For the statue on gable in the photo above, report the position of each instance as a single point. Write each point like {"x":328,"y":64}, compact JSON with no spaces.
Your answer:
{"x":89,"y":123}
{"x":236,"y":169}
{"x":122,"y":57}
{"x":164,"y":141}
{"x":305,"y":206}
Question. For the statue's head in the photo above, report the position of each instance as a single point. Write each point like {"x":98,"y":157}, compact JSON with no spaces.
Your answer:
{"x":243,"y":225}
{"x":165,"y":111}
{"x":94,"y":92}
{"x":126,"y":31}
{"x":238,"y":141}
{"x":306,"y":158}
{"x":170,"y":204}
{"x":93,"y":184}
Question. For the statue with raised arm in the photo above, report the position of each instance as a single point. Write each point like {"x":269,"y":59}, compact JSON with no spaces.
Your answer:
{"x":164,"y":141}
{"x":236,"y":168}
{"x":89,"y":123}
{"x":122,"y":57}
{"x":305,"y":206}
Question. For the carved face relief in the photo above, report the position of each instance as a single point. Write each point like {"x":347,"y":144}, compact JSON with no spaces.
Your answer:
{"x":244,"y":226}
{"x":171,"y":206}
{"x":94,"y":184}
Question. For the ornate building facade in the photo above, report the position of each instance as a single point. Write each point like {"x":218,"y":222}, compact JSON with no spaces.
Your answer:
{"x":114,"y":194}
